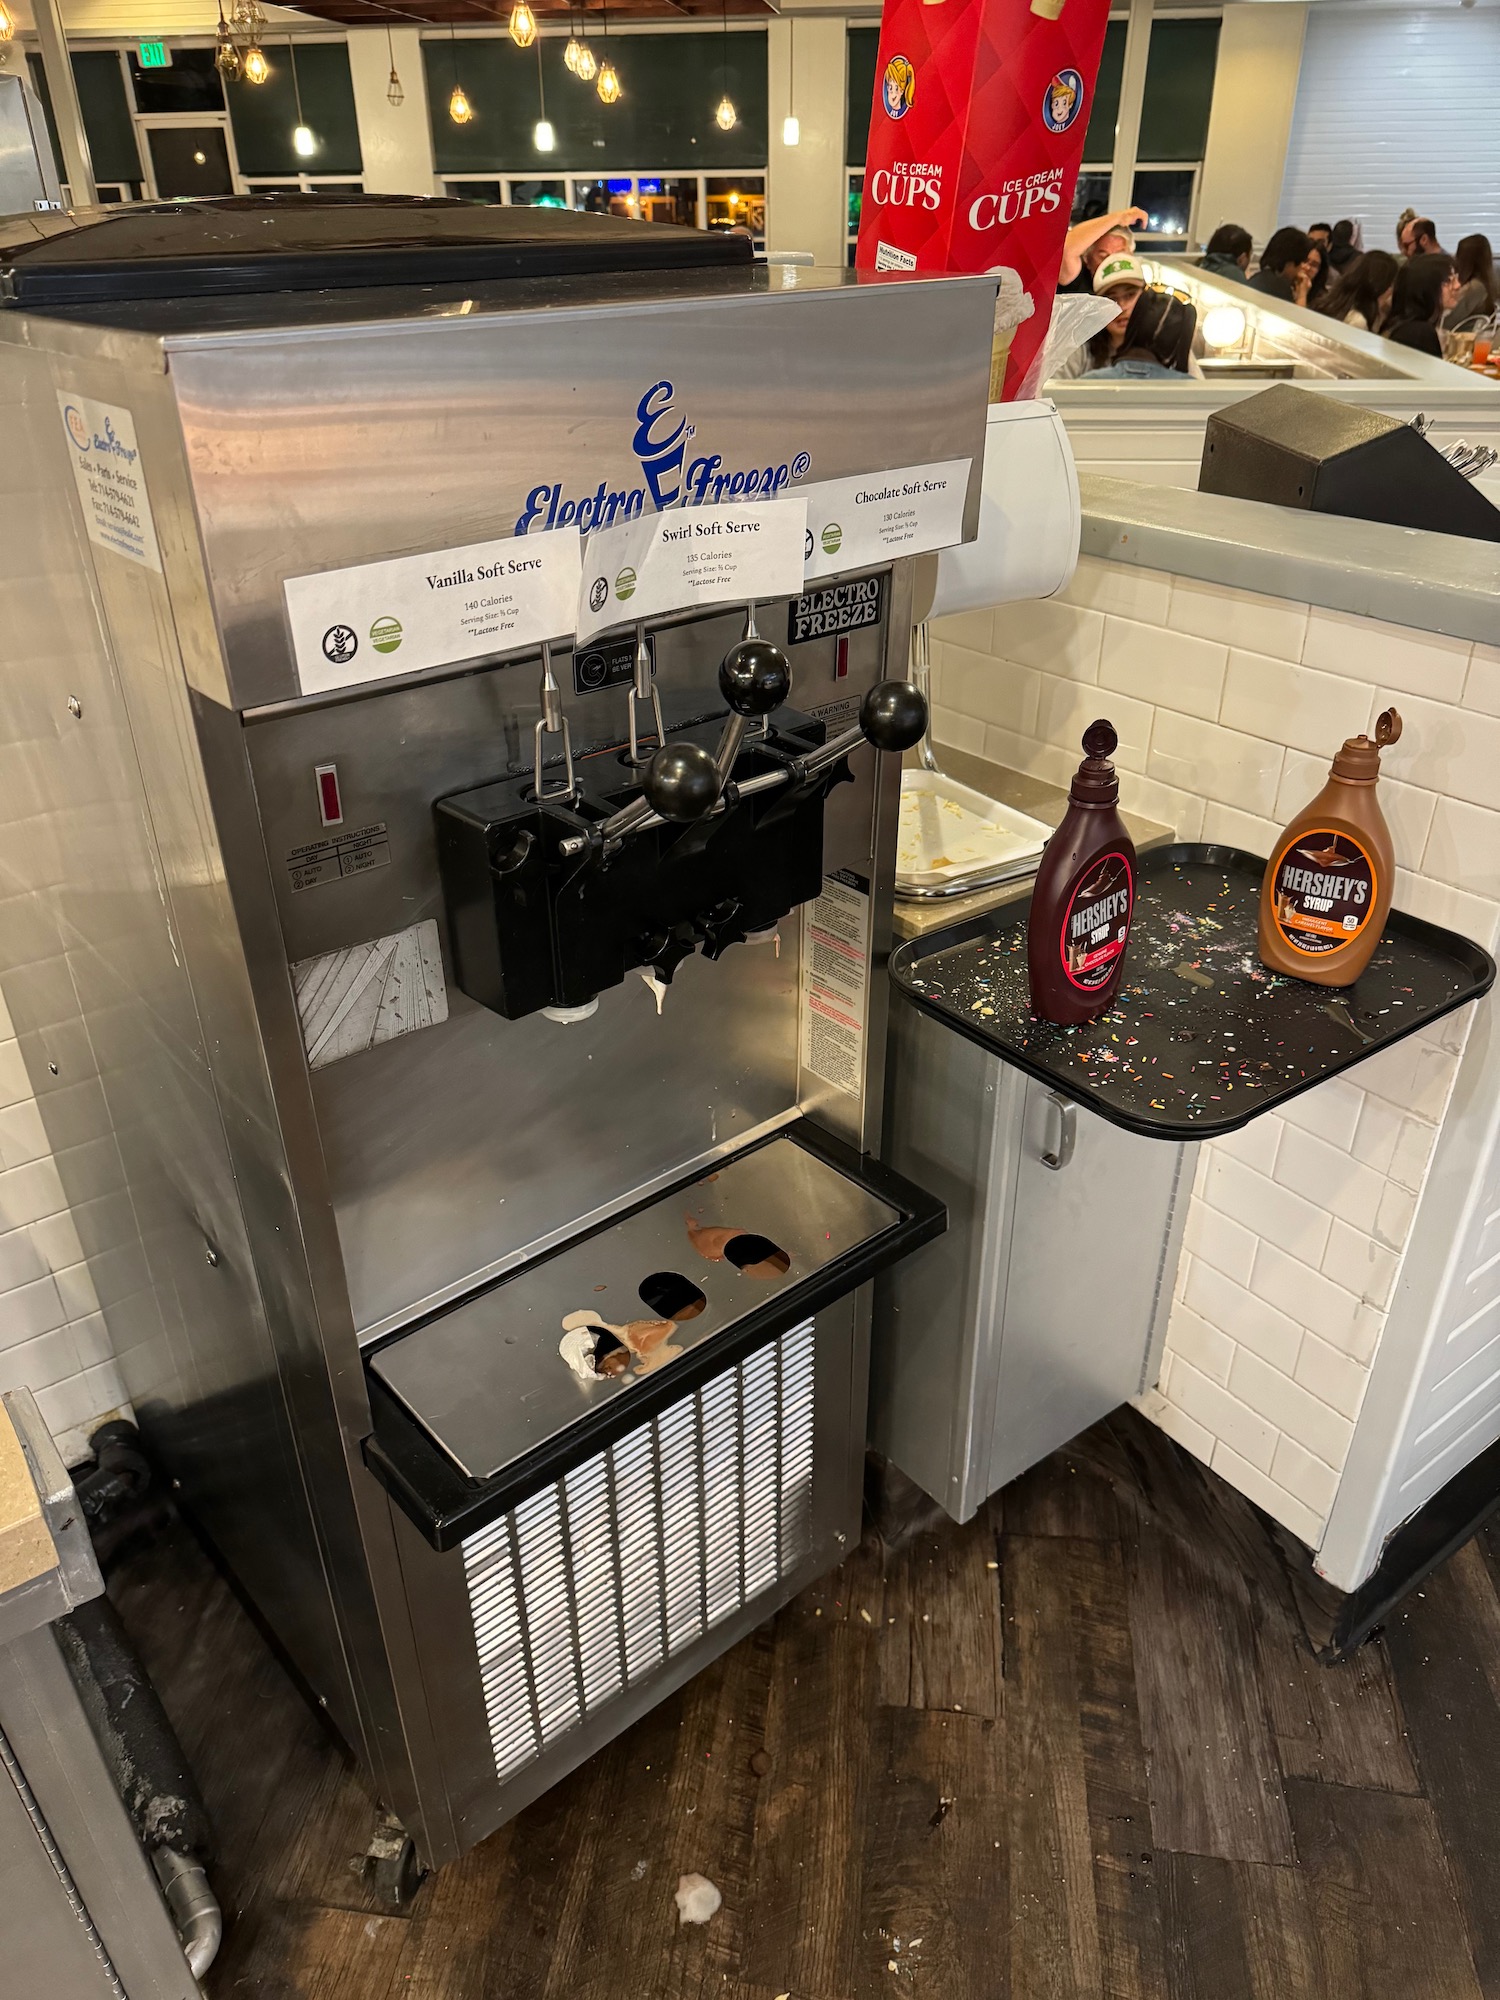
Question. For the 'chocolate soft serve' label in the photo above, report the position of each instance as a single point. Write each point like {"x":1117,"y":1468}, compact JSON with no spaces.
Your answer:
{"x":1096,"y":922}
{"x":1324,"y":891}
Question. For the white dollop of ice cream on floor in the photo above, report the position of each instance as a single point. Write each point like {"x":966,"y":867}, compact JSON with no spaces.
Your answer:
{"x":697,"y":1899}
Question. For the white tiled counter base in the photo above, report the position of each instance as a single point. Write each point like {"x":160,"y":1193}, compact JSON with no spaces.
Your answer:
{"x":1229,"y":707}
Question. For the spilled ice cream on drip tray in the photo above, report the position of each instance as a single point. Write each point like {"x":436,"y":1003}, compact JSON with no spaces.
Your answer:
{"x":592,"y":1346}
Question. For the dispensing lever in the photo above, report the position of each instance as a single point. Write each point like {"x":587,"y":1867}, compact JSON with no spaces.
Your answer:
{"x":892,"y":716}
{"x":553,"y":723}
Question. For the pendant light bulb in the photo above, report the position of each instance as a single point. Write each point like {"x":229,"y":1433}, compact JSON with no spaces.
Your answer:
{"x":226,"y":55}
{"x":254,"y":65}
{"x":587,"y":66}
{"x":608,"y":85}
{"x":522,"y":25}
{"x":544,"y":138}
{"x":571,"y":54}
{"x":459,"y":108}
{"x":7,"y":23}
{"x":725,"y":115}
{"x":395,"y":96}
{"x":791,"y":132}
{"x":304,"y":145}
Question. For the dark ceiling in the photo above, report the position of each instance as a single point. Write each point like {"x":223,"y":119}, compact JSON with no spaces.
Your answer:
{"x":552,"y":13}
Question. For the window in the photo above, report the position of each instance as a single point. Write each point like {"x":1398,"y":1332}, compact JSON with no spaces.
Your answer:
{"x":189,"y":83}
{"x":1168,"y":195}
{"x":670,"y":85}
{"x":864,"y":48}
{"x":264,"y":115}
{"x":690,"y":201}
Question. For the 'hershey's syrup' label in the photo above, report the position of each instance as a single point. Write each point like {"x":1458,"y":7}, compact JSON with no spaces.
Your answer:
{"x":1096,"y":922}
{"x":1324,"y":891}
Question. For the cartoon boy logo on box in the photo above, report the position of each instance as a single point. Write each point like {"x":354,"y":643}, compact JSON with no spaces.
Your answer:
{"x":898,"y":86}
{"x":1063,"y":101}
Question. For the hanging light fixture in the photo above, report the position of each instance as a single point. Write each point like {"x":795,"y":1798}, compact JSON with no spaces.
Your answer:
{"x":395,"y":96}
{"x":226,"y":53}
{"x":304,"y":145}
{"x":587,"y":66}
{"x":543,"y":137}
{"x":460,"y":110}
{"x":791,"y":128}
{"x":725,"y":115}
{"x":253,"y":65}
{"x":574,"y":51}
{"x":8,"y":26}
{"x":522,"y":25}
{"x":608,"y":86}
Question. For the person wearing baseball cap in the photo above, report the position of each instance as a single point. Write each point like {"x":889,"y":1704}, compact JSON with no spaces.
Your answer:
{"x":1119,"y":277}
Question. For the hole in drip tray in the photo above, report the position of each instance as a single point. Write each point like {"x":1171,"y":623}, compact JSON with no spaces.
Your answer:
{"x":672,"y":1296}
{"x":756,"y":1256}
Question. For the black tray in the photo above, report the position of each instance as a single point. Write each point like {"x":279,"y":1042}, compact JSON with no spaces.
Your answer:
{"x":1202,"y":1037}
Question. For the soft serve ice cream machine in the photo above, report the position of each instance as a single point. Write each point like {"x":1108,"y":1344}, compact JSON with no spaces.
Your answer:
{"x":483,"y":1025}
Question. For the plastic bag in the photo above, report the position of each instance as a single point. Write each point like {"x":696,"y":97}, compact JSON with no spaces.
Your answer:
{"x":1076,"y":317}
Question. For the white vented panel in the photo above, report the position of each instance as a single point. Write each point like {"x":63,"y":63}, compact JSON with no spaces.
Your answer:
{"x":636,"y":1553}
{"x":1396,"y":107}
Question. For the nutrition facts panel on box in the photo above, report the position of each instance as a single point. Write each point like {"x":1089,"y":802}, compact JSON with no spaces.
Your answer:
{"x":835,"y":959}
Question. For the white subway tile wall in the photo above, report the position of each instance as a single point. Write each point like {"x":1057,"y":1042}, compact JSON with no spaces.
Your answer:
{"x":1229,"y":707}
{"x":53,"y":1339}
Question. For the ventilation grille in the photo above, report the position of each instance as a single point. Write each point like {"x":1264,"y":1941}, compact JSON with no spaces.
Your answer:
{"x":592,"y":1583}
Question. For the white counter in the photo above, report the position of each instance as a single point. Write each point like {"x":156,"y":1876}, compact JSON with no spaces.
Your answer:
{"x":1334,"y":1346}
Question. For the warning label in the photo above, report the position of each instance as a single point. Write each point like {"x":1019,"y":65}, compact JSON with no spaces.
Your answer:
{"x":835,"y":964}
{"x":353,"y":853}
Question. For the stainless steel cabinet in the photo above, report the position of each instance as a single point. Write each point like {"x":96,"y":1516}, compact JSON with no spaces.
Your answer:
{"x":1044,"y":1306}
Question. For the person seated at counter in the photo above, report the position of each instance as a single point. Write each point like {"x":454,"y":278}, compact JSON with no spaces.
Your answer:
{"x":1360,"y":296}
{"x":1227,"y":253}
{"x":1478,"y":293}
{"x":1426,"y":287}
{"x":1158,"y":341}
{"x":1286,"y":267}
{"x":1088,"y":243}
{"x":1418,"y":237}
{"x":1347,"y":243}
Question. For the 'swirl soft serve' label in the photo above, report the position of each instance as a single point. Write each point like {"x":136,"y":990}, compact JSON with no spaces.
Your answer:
{"x":1096,"y":922}
{"x":1324,"y":891}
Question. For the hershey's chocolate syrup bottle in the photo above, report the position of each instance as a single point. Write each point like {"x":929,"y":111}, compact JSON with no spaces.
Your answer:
{"x":1084,"y":896}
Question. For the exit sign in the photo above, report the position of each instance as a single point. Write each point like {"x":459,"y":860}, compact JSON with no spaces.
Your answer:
{"x":154,"y":55}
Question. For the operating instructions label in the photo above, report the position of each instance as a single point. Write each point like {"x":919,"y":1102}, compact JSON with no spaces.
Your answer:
{"x":413,"y":612}
{"x":835,"y":980}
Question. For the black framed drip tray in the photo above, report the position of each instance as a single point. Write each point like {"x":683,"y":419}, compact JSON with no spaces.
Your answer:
{"x":482,"y":1405}
{"x":1203,"y":1037}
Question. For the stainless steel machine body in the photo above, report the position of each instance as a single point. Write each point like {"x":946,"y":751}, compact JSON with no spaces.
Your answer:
{"x":276,"y":1240}
{"x":28,"y":177}
{"x":1044,"y":1306}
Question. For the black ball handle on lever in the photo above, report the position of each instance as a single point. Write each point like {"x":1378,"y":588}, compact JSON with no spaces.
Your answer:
{"x":893,"y":715}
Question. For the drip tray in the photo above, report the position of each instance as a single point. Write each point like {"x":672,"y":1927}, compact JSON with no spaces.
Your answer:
{"x":505,"y":1385}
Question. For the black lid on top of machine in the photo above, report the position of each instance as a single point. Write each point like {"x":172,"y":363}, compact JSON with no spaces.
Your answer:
{"x":296,"y":242}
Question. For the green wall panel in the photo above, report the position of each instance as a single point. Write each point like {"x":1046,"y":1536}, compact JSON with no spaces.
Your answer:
{"x":264,"y":115}
{"x":663,"y":119}
{"x":106,"y":113}
{"x":1179,"y":90}
{"x":864,"y":47}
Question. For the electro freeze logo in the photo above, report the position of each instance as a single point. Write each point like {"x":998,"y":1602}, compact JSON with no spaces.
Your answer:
{"x":670,"y":478}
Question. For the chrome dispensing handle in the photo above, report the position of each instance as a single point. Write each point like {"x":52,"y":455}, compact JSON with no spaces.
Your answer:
{"x":1057,"y":1157}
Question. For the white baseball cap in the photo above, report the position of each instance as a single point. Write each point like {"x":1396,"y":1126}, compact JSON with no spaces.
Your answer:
{"x":1120,"y":269}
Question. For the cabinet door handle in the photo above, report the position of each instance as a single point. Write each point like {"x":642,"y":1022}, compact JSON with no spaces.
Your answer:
{"x":1067,"y":1133}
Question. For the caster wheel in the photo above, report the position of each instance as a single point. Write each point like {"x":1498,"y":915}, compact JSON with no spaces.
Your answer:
{"x":394,"y":1868}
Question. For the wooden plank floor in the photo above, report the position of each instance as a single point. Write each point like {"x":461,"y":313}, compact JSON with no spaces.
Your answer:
{"x":1077,"y":1748}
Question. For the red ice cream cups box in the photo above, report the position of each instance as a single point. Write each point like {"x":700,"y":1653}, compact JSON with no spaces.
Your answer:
{"x":981,"y":107}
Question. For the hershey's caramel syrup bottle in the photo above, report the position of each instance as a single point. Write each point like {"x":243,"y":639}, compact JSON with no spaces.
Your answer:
{"x":1084,"y":896}
{"x":1327,"y":887}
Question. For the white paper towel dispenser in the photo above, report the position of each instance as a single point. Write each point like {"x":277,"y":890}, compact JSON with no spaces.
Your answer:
{"x":1027,"y":545}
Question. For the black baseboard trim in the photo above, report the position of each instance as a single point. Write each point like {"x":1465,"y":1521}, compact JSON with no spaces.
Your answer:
{"x":1453,"y":1514}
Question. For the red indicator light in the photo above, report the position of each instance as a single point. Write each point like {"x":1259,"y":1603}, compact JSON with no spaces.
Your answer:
{"x":841,"y":658}
{"x":330,"y":806}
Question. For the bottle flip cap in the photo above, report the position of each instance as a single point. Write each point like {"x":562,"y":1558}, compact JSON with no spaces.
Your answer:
{"x":1358,"y":763}
{"x":1095,"y":780}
